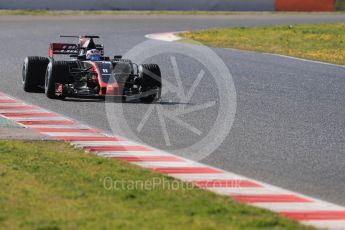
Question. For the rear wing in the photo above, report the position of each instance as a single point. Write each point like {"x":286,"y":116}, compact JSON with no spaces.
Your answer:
{"x":68,"y":49}
{"x":63,"y":48}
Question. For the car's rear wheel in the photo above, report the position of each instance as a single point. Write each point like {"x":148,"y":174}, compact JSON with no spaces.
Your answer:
{"x":57,"y":73}
{"x":151,"y":82}
{"x":33,"y":72}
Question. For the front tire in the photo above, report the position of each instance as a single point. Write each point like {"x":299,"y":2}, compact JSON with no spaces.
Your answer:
{"x":33,"y":73}
{"x":151,"y":80}
{"x":57,"y":73}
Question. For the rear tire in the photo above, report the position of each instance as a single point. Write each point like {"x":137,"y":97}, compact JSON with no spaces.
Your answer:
{"x":57,"y":73}
{"x":150,"y":80}
{"x":33,"y":73}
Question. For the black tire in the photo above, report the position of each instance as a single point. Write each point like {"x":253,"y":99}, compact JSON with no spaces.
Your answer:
{"x":33,"y":73}
{"x":151,"y":79}
{"x":57,"y":72}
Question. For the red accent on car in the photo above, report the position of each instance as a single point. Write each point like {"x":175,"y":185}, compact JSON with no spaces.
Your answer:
{"x":83,"y":40}
{"x":62,"y":48}
{"x":110,"y":88}
{"x":59,"y":89}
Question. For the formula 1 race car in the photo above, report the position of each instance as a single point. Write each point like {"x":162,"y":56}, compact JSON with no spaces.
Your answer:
{"x":90,"y":74}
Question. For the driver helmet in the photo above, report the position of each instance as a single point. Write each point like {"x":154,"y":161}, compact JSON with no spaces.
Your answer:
{"x":93,"y":55}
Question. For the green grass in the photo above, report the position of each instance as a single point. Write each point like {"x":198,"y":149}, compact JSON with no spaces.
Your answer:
{"x":321,"y":42}
{"x":130,"y":12}
{"x":50,"y":185}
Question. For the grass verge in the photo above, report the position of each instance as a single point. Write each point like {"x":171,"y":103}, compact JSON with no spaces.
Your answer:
{"x":321,"y":42}
{"x":50,"y":185}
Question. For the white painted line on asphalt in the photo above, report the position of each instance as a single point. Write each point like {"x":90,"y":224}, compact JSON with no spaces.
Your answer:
{"x":244,"y":191}
{"x":132,"y":153}
{"x":14,"y":104}
{"x":304,"y":60}
{"x":329,"y":224}
{"x":102,"y":143}
{"x":168,"y":164}
{"x":37,"y":126}
{"x":29,"y":118}
{"x":281,"y":207}
{"x":209,"y":177}
{"x":2,"y":111}
{"x":54,"y":134}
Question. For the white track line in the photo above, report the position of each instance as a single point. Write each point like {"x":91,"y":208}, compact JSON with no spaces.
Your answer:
{"x":209,"y":177}
{"x":329,"y":224}
{"x":129,"y":153}
{"x":29,"y":118}
{"x":304,"y":60}
{"x":75,"y":126}
{"x":167,"y":164}
{"x":280,"y":207}
{"x":102,"y":143}
{"x":16,"y":104}
{"x":10,"y":110}
{"x":72,"y":134}
{"x":244,"y":191}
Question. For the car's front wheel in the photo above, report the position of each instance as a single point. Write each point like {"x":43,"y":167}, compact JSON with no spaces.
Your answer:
{"x":56,"y":72}
{"x":33,"y":73}
{"x":151,"y":82}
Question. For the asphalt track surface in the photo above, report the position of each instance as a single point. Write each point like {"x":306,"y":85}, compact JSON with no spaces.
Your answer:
{"x":289,"y":128}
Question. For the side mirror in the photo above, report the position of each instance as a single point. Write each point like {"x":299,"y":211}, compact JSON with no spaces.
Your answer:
{"x":117,"y":56}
